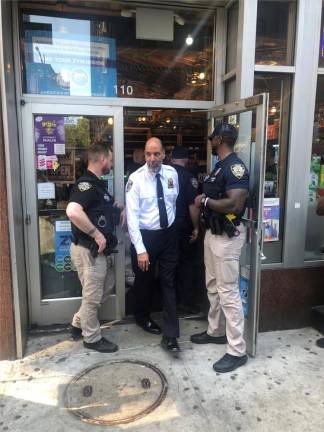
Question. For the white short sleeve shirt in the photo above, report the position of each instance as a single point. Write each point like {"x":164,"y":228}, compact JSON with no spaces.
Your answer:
{"x":141,"y":201}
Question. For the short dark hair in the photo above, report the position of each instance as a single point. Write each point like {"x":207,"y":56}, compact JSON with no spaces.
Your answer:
{"x":228,"y":140}
{"x":96,"y":149}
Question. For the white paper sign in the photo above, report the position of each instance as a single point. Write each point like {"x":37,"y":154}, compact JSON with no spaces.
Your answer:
{"x":46,"y":190}
{"x":63,"y":225}
{"x":59,"y":149}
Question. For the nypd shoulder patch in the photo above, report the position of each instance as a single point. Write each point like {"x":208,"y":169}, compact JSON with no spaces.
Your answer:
{"x":84,"y":186}
{"x":129,"y":185}
{"x":238,"y":170}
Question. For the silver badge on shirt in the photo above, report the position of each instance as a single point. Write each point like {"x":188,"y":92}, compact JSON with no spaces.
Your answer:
{"x":170,"y":183}
{"x":194,"y":182}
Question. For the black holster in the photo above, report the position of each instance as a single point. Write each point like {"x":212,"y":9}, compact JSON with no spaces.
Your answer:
{"x":91,"y":244}
{"x":219,"y":223}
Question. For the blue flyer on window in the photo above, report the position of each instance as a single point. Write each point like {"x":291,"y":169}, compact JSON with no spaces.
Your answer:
{"x":244,"y":290}
{"x":63,"y":237}
{"x":271,"y":218}
{"x":78,"y":65}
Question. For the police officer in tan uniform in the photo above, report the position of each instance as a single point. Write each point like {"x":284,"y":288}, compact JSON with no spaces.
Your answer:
{"x":223,"y":204}
{"x":90,"y":211}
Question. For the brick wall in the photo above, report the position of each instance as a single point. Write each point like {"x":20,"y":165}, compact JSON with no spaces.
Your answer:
{"x":7,"y":330}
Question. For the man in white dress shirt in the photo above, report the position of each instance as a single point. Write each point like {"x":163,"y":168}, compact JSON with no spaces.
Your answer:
{"x":151,"y":194}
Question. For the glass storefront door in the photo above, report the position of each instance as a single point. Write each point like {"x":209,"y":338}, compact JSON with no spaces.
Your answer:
{"x":56,"y":139}
{"x":249,"y":116}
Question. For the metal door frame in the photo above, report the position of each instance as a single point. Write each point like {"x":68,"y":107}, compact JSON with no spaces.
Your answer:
{"x":57,"y":311}
{"x":258,"y":104}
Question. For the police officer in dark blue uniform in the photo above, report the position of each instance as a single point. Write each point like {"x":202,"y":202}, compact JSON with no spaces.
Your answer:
{"x":91,"y":212}
{"x":187,"y":223}
{"x":223,"y":204}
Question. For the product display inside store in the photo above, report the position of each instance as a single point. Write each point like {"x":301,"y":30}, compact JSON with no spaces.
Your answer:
{"x":314,"y":245}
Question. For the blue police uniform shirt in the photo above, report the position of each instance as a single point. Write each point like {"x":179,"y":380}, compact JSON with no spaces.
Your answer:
{"x":142,"y":209}
{"x":229,"y":173}
{"x":188,"y":190}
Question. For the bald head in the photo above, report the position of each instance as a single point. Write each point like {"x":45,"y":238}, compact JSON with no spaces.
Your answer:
{"x":154,"y":154}
{"x":154,"y":142}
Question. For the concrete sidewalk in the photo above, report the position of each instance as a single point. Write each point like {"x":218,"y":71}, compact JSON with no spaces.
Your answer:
{"x":282,"y":389}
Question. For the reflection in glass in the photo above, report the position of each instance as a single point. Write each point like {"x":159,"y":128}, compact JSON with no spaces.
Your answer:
{"x":82,"y":57}
{"x":275,"y":38}
{"x":61,"y":144}
{"x":321,"y":48}
{"x":279,"y":88}
{"x":314,"y":244}
{"x":231,"y":45}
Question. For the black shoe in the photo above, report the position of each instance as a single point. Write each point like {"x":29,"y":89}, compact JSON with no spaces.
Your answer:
{"x":102,"y":345}
{"x":170,"y":344}
{"x":149,"y":326}
{"x":76,"y":332}
{"x":229,"y":362}
{"x":204,"y":338}
{"x":320,"y":342}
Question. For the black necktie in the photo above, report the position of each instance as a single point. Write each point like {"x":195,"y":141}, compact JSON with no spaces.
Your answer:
{"x":160,"y":197}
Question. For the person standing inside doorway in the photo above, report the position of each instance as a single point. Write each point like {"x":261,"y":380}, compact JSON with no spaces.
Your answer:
{"x":223,"y":203}
{"x":90,"y":211}
{"x":187,"y":223}
{"x":320,"y":212}
{"x":151,"y":194}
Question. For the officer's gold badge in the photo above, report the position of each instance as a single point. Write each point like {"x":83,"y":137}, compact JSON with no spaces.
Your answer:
{"x":238,"y":170}
{"x":84,"y":186}
{"x":129,"y":185}
{"x":170,"y":183}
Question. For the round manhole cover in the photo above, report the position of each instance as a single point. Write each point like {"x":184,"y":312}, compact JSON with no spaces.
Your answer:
{"x":115,"y":392}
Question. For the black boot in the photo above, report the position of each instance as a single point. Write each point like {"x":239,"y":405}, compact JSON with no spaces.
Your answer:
{"x":76,"y":332}
{"x":204,"y":338}
{"x":320,"y":342}
{"x":102,"y":345}
{"x":229,"y":362}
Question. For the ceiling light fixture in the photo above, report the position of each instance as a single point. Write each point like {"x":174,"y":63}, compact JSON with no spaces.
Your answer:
{"x":189,"y":40}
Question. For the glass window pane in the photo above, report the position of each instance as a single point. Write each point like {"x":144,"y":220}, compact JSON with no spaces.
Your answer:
{"x":230,"y":90}
{"x":276,"y":21}
{"x":61,"y":144}
{"x":314,"y":245}
{"x":107,"y":56}
{"x":231,"y":46}
{"x":321,"y":51}
{"x":279,"y":88}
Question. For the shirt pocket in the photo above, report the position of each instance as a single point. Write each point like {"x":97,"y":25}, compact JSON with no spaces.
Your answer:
{"x":147,"y":198}
{"x":170,"y":194}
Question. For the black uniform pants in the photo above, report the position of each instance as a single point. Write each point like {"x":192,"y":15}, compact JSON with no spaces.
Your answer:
{"x":187,"y":271}
{"x":161,"y":245}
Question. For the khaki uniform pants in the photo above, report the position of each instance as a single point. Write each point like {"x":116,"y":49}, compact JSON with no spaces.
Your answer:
{"x":225,"y":315}
{"x":97,"y":282}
